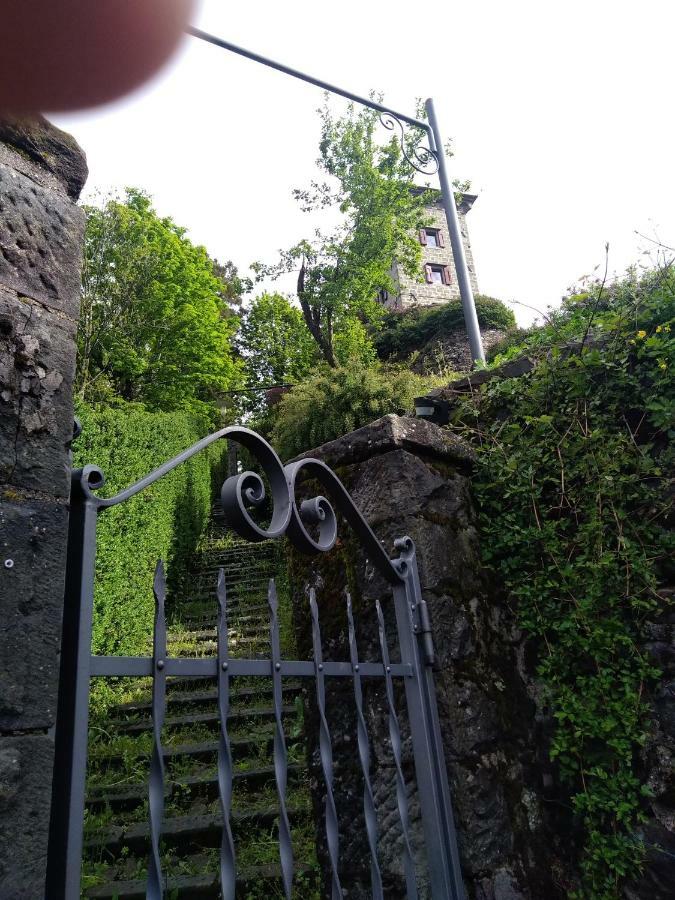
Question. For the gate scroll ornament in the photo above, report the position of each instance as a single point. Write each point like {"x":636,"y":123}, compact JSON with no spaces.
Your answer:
{"x":240,"y":495}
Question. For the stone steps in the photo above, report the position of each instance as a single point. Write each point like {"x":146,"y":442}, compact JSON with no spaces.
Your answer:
{"x":118,"y":838}
{"x":264,"y":714}
{"x":188,"y":833}
{"x":198,"y":786}
{"x":187,"y":887}
{"x":199,"y":750}
{"x":189,"y":698}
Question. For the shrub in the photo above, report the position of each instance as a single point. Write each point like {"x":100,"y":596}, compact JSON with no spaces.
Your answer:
{"x":336,"y":402}
{"x":403,"y":333}
{"x":629,"y":303}
{"x":164,"y":521}
{"x":572,"y":487}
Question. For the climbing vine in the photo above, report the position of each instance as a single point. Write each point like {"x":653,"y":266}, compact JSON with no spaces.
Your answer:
{"x":573,"y":495}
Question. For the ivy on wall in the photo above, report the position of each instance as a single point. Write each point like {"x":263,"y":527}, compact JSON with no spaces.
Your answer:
{"x":164,"y":521}
{"x":573,"y":494}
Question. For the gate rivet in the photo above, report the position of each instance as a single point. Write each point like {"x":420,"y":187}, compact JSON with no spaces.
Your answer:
{"x":356,"y":668}
{"x":388,"y":668}
{"x":277,"y":666}
{"x":9,"y":563}
{"x":160,"y":664}
{"x":224,"y":667}
{"x":413,"y":606}
{"x":320,"y":667}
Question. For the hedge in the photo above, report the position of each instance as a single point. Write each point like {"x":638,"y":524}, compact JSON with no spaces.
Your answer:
{"x":164,"y":521}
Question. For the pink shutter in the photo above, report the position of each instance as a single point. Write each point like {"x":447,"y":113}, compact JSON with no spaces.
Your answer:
{"x":439,"y":238}
{"x":447,"y":275}
{"x":427,"y":274}
{"x":423,"y":237}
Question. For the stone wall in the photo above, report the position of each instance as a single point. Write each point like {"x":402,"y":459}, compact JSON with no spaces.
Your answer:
{"x":409,"y":477}
{"x":450,"y":352}
{"x":42,"y":172}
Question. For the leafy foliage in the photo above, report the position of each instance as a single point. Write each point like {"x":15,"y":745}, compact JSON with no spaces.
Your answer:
{"x":401,"y":333}
{"x":573,"y":500}
{"x":336,"y":402}
{"x":156,"y":322}
{"x":276,"y":347}
{"x":164,"y":521}
{"x":341,"y":273}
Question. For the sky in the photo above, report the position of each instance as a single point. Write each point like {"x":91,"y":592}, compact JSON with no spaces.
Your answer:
{"x":560,"y":116}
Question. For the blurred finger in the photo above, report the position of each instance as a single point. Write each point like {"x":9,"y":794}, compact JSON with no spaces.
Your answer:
{"x":57,"y":55}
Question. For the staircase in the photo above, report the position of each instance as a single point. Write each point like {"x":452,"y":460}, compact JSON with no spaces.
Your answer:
{"x":117,"y":834}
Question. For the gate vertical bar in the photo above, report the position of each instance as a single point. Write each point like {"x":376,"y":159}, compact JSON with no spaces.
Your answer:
{"x":461,"y":268}
{"x":396,"y":747}
{"x":432,"y":782}
{"x":280,"y":754}
{"x":364,"y":756}
{"x":326,"y":752}
{"x":228,"y":873}
{"x":155,"y":888}
{"x":72,"y":721}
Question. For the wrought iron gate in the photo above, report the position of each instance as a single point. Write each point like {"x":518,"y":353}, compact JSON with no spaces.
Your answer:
{"x":240,"y":493}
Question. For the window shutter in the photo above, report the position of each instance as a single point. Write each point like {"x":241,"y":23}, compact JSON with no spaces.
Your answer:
{"x":427,"y":274}
{"x":440,"y":239}
{"x":447,"y":275}
{"x":423,"y":237}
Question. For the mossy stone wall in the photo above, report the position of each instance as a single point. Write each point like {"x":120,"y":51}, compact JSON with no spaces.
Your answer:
{"x":409,"y":477}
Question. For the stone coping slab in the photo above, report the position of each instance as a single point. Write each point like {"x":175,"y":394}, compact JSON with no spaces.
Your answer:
{"x":393,"y":432}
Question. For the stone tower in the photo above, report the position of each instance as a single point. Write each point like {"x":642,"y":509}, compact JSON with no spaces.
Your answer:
{"x":438,"y":279}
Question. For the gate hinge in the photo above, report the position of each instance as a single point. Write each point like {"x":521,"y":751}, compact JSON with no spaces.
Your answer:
{"x":422,"y":627}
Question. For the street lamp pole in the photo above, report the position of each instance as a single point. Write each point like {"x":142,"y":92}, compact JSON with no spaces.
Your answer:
{"x":461,"y":268}
{"x":418,"y":160}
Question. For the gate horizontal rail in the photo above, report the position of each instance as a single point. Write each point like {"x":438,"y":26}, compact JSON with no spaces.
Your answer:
{"x":137,"y":666}
{"x":239,"y":494}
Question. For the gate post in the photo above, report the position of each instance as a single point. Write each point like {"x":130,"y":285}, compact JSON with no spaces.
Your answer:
{"x":415,"y":642}
{"x":70,"y":757}
{"x":42,"y":171}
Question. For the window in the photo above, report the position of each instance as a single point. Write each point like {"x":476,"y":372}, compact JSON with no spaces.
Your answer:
{"x":437,"y":274}
{"x":431,"y":237}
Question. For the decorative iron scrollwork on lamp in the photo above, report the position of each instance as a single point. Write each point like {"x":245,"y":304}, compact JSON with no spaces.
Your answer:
{"x":422,"y":159}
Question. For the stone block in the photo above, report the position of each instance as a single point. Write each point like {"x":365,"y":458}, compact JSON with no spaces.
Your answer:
{"x":40,"y":242}
{"x":33,"y":537}
{"x":24,"y":815}
{"x":46,"y":154}
{"x":394,"y":432}
{"x":37,"y":362}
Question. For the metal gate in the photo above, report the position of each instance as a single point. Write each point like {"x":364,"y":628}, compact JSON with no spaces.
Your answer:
{"x":241,"y":493}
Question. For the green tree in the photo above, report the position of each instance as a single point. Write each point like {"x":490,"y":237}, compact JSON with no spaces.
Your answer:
{"x":157,"y":322}
{"x":340,"y":273}
{"x":275,"y":345}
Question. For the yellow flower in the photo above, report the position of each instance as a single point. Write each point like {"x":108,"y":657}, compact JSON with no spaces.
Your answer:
{"x":666,"y":327}
{"x":642,"y":334}
{"x":659,"y":329}
{"x":663,"y":364}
